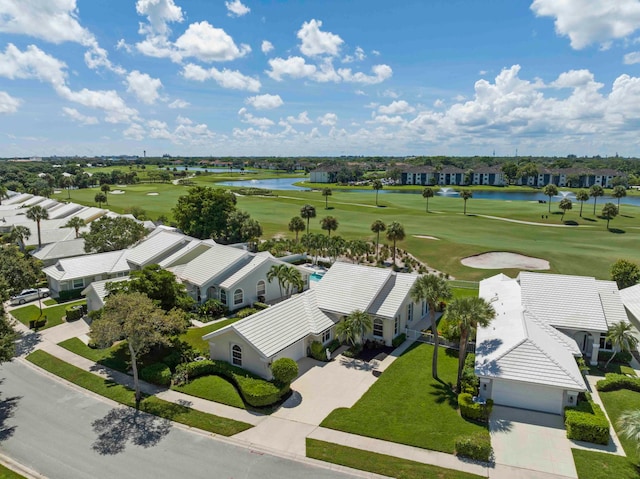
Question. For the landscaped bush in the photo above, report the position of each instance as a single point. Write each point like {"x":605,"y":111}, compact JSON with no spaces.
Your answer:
{"x":333,"y":345}
{"x":620,"y":357}
{"x":587,"y":422}
{"x":614,"y":382}
{"x":474,"y":411}
{"x":470,"y":382}
{"x":398,"y":340}
{"x":353,"y":351}
{"x":212,"y":308}
{"x":172,"y":359}
{"x":74,"y":313}
{"x":284,"y":370}
{"x":158,"y":373}
{"x":69,"y":295}
{"x":259,"y":305}
{"x":318,"y":351}
{"x":243,"y":313}
{"x":477,"y":446}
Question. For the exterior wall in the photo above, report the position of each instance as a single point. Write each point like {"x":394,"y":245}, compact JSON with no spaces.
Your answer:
{"x":67,"y":285}
{"x":528,"y":396}
{"x":220,"y":349}
{"x":93,"y":301}
{"x":296,"y":351}
{"x":388,"y":324}
{"x":319,"y":177}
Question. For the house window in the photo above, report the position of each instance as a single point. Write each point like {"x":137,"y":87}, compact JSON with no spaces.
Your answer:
{"x":604,"y":344}
{"x":223,"y":296}
{"x":396,"y":326}
{"x":236,"y":355}
{"x":261,"y":290}
{"x":410,"y":312}
{"x":378,"y":328}
{"x":237,"y":297}
{"x":78,"y":283}
{"x":326,"y":336}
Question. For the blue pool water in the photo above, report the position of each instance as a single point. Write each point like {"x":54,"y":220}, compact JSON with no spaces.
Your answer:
{"x":315,"y":277}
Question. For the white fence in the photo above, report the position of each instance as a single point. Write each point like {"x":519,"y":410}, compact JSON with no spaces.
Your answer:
{"x":429,"y":339}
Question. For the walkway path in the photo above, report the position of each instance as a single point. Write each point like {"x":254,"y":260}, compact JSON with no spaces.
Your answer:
{"x":531,"y":222}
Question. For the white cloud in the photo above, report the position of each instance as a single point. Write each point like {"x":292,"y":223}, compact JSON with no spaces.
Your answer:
{"x":316,"y":42}
{"x":389,"y":120}
{"x":375,"y":52}
{"x":232,"y":79}
{"x":360,"y":92}
{"x":260,"y":122}
{"x":123,"y":45}
{"x":591,"y":21}
{"x":359,"y":54}
{"x":159,"y":13}
{"x":264,"y":102}
{"x":158,"y":130}
{"x":178,"y":104}
{"x":236,"y":8}
{"x":400,"y":107}
{"x":301,"y":119}
{"x":134,"y":132}
{"x":573,"y":79}
{"x":266,"y":46}
{"x":8,"y":104}
{"x":380,"y":74}
{"x":295,"y":67}
{"x":207,"y":43}
{"x":328,"y":119}
{"x":183,"y":120}
{"x":79,"y":117}
{"x":438,"y":103}
{"x":632,"y":58}
{"x":143,"y":86}
{"x":390,"y":94}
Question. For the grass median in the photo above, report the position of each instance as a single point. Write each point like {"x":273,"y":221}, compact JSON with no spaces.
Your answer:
{"x":150,"y":404}
{"x":54,"y":314}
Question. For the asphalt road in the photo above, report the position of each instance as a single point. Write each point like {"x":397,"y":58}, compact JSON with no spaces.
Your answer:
{"x":62,"y":433}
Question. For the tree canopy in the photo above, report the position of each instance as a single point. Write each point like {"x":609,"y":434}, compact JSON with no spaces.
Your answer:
{"x":112,"y":234}
{"x":7,"y":338}
{"x":18,"y":271}
{"x":625,"y":273}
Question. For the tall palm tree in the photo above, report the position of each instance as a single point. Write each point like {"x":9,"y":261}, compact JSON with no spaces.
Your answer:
{"x":296,"y":225}
{"x":353,"y":328}
{"x":467,"y":314}
{"x":376,"y":185}
{"x":38,"y":213}
{"x":595,"y":191}
{"x":326,"y":192}
{"x":378,"y":227}
{"x":3,"y":193}
{"x":307,"y":212}
{"x":565,"y":205}
{"x":105,"y":189}
{"x":432,"y":289}
{"x":100,"y":198}
{"x":550,"y":190}
{"x":621,"y":337}
{"x":292,"y":279}
{"x":358,"y":248}
{"x":329,"y":224}
{"x":76,"y":223}
{"x":276,"y":272}
{"x":609,"y":211}
{"x":582,"y":196}
{"x":465,"y":195}
{"x":19,"y":234}
{"x":629,"y":424}
{"x":618,"y":192}
{"x":428,"y":193}
{"x":395,"y":232}
{"x":67,"y":182}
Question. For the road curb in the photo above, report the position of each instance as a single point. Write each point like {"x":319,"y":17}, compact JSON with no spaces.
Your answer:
{"x":19,"y":468}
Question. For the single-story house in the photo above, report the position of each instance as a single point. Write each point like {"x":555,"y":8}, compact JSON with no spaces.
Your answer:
{"x":631,"y":300}
{"x":96,"y":292}
{"x":287,"y":329}
{"x":49,"y":254}
{"x":526,"y":357}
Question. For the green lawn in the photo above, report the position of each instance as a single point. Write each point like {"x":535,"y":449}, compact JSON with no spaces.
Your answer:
{"x":50,"y":302}
{"x":115,"y":357}
{"x":54,"y":314}
{"x":463,"y":292}
{"x":6,"y":473}
{"x":600,"y":465}
{"x":194,"y":335}
{"x":123,"y":395}
{"x":617,"y":402}
{"x":213,"y":388}
{"x":379,"y":463}
{"x":406,"y":405}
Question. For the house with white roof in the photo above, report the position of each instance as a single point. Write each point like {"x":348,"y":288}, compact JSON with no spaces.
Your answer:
{"x":50,"y":253}
{"x":526,"y":357}
{"x":97,"y":291}
{"x":631,"y":300}
{"x":287,"y":329}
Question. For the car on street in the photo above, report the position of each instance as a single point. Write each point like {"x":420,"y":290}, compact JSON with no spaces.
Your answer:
{"x":27,"y":295}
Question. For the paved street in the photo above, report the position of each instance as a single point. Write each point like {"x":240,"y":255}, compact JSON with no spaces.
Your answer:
{"x":63,"y":433}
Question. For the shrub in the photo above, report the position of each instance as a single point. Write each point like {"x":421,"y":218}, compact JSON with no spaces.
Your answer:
{"x":398,"y":340}
{"x":318,"y":351}
{"x":620,"y":357}
{"x":258,"y":305}
{"x":587,"y":422}
{"x":470,"y":382}
{"x":476,"y":446}
{"x":243,"y":313}
{"x":284,"y":370}
{"x":614,"y":382}
{"x":472,"y":410}
{"x":71,"y":294}
{"x":74,"y":313}
{"x":187,"y":371}
{"x":353,"y":351}
{"x":158,"y":373}
{"x":213,"y":308}
{"x":333,"y":345}
{"x":172,"y":359}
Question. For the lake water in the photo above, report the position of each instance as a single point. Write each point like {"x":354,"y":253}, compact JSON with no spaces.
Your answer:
{"x":287,"y":184}
{"x":210,"y":169}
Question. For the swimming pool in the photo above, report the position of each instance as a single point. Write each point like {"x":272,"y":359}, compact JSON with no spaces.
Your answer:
{"x":315,"y":277}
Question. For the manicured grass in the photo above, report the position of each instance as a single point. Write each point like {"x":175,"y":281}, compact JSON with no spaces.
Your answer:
{"x":194,"y":335}
{"x":617,"y":402}
{"x":54,"y":314}
{"x":115,"y":357}
{"x":379,"y":463}
{"x":6,"y":473}
{"x":406,"y":405}
{"x":123,"y":395}
{"x":213,"y":388}
{"x":600,"y":465}
{"x":50,"y":302}
{"x":463,"y":292}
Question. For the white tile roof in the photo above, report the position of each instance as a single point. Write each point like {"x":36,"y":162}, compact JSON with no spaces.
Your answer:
{"x":90,"y":213}
{"x":89,"y":265}
{"x":392,"y":295}
{"x":193,"y":247}
{"x":63,"y":210}
{"x":17,"y":199}
{"x":631,"y":299}
{"x":209,"y":264}
{"x":273,"y":329}
{"x":61,"y":249}
{"x":611,"y":302}
{"x":34,"y":200}
{"x":155,"y":246}
{"x":255,"y":261}
{"x":100,"y":287}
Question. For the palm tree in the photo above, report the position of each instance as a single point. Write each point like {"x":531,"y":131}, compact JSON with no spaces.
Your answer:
{"x":296,"y":225}
{"x":38,"y":213}
{"x":621,"y":337}
{"x":565,"y":205}
{"x":76,"y":223}
{"x":105,"y":189}
{"x":353,"y":328}
{"x":67,"y":182}
{"x":3,"y":193}
{"x":467,"y":314}
{"x":100,"y":198}
{"x":377,"y":185}
{"x":432,"y":289}
{"x":276,"y":272}
{"x":428,"y":193}
{"x":329,"y":224}
{"x":582,"y":196}
{"x":609,"y":211}
{"x":629,"y":424}
{"x":550,"y":190}
{"x":291,"y":279}
{"x":19,"y":234}
{"x":358,"y":248}
{"x":378,"y":227}
{"x":307,"y":212}
{"x":594,"y":192}
{"x":619,"y":191}
{"x":465,"y":195}
{"x":395,"y":232}
{"x":326,"y":192}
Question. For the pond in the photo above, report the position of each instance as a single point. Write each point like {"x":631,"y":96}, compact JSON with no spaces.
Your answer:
{"x":287,"y":184}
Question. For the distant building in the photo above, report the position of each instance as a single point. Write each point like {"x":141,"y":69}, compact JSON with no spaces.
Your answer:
{"x":325,"y":174}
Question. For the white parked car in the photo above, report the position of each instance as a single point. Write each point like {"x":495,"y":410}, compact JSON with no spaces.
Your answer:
{"x":30,"y":295}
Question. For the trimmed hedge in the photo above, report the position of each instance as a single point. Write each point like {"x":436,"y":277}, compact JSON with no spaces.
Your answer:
{"x":472,"y":410}
{"x":587,"y":422}
{"x":622,"y":357}
{"x":614,"y":382}
{"x":259,"y":305}
{"x":158,"y":373}
{"x":284,"y":370}
{"x":398,"y":340}
{"x":69,"y":295}
{"x":243,"y":313}
{"x":74,"y":313}
{"x":318,"y":351}
{"x":476,"y":446}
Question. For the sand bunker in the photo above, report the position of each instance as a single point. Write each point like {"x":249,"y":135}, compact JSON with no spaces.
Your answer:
{"x":426,"y":237}
{"x":116,"y":192}
{"x":502,"y":260}
{"x":152,"y":194}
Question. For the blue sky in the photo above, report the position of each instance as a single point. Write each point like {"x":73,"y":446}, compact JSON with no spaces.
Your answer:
{"x":330,"y":77}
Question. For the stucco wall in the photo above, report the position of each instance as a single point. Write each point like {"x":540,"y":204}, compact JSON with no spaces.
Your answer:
{"x":220,"y":349}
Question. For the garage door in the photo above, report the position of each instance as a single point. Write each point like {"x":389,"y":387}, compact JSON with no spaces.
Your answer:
{"x":527,"y":396}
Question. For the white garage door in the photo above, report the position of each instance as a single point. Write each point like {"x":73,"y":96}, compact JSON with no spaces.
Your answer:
{"x":527,"y":396}
{"x":295,"y":351}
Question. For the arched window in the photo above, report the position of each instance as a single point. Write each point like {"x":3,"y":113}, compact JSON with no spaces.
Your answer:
{"x":238,"y":297}
{"x":261,"y":289}
{"x":378,"y":328}
{"x":223,"y":296}
{"x":236,"y":355}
